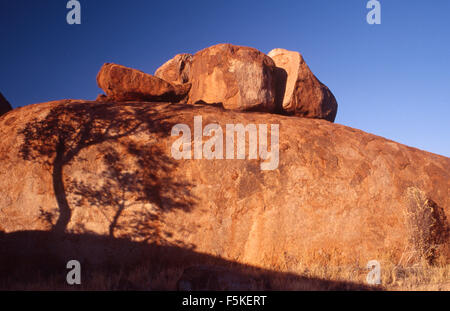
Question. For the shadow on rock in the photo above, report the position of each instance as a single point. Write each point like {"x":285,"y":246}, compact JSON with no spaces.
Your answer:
{"x":37,"y":260}
{"x":134,"y":172}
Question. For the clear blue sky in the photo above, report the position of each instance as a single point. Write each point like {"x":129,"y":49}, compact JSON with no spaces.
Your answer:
{"x":392,"y":79}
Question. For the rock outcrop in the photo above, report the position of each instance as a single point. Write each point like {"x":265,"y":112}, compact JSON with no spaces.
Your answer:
{"x":176,"y":70}
{"x":302,"y":93}
{"x":339,"y":196}
{"x":236,"y":77}
{"x":239,"y":78}
{"x":4,"y":105}
{"x":124,"y":84}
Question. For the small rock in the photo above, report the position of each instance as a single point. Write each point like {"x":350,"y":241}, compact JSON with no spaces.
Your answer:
{"x":101,"y":98}
{"x":176,"y":70}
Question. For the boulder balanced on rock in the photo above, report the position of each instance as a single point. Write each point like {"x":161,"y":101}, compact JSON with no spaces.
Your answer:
{"x":240,"y":78}
{"x":302,"y":94}
{"x":125,"y":84}
{"x":4,"y":105}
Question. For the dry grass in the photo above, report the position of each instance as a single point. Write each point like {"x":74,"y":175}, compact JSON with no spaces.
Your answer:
{"x":393,"y":277}
{"x":145,"y":277}
{"x":428,"y":229}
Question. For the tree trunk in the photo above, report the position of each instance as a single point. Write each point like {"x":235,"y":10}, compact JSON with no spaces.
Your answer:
{"x":58,"y":187}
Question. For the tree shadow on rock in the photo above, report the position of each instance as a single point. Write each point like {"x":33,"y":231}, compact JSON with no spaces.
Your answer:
{"x":136,"y":174}
{"x":132,"y":184}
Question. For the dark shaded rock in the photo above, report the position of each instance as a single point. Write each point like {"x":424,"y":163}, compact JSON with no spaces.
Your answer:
{"x":204,"y":278}
{"x":4,"y":105}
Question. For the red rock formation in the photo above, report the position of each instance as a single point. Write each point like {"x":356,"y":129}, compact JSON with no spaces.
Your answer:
{"x":101,"y":98}
{"x":339,"y":196}
{"x":176,"y":70}
{"x":240,"y":78}
{"x":304,"y":94}
{"x":123,"y":84}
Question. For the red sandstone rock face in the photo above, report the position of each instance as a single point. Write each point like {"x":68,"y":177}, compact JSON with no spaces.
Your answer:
{"x":123,"y":84}
{"x":240,"y":78}
{"x":301,"y":93}
{"x":339,"y":195}
{"x":176,"y":70}
{"x":4,"y":105}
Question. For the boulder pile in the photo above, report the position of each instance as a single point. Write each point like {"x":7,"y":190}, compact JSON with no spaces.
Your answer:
{"x":234,"y":77}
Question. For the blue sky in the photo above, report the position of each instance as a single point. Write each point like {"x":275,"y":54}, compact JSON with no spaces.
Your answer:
{"x":392,"y":79}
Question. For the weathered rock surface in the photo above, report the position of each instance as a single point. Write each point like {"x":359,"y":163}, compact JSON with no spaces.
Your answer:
{"x":339,"y":195}
{"x":176,"y":70}
{"x":124,"y":84}
{"x":304,"y":94}
{"x":4,"y":105}
{"x":240,"y":78}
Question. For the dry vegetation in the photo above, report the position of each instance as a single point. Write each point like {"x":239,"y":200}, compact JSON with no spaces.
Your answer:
{"x":160,"y":277}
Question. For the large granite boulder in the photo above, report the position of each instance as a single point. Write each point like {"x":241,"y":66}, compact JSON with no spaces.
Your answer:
{"x":302,"y":94}
{"x":339,"y":196}
{"x":239,"y":78}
